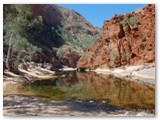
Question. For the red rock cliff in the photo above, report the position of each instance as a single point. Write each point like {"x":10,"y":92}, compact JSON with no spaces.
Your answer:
{"x":126,"y":40}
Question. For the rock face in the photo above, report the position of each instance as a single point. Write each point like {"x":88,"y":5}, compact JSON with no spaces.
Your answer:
{"x":126,"y":40}
{"x":70,"y":59}
{"x":56,"y":15}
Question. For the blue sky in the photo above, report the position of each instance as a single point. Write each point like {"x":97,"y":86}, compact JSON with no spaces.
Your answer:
{"x":97,"y":13}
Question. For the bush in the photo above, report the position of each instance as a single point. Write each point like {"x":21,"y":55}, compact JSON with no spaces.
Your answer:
{"x":126,"y":55}
{"x":130,"y":20}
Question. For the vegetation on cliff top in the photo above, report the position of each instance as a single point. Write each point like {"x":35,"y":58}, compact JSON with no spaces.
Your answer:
{"x":130,"y":20}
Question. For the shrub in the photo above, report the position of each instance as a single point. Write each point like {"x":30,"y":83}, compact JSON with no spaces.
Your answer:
{"x":86,"y":54}
{"x":130,"y":20}
{"x":126,"y":55}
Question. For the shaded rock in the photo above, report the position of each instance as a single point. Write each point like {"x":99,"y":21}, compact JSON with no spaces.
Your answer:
{"x":48,"y":12}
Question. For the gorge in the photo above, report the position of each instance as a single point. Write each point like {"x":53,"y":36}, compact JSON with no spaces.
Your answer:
{"x":54,"y":58}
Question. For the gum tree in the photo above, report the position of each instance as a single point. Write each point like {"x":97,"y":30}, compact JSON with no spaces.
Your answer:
{"x":18,"y":20}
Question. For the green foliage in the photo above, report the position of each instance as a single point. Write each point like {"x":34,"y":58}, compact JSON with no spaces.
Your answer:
{"x":130,"y":20}
{"x":74,"y":39}
{"x":59,"y":52}
{"x":31,"y":35}
{"x":18,"y":20}
{"x":85,"y":55}
{"x":65,"y":34}
{"x":113,"y":53}
{"x":37,"y":23}
{"x":73,"y":42}
{"x":126,"y":55}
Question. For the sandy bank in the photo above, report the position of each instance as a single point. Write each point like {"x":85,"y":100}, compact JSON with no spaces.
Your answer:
{"x":28,"y":74}
{"x":67,"y":69}
{"x":144,"y":73}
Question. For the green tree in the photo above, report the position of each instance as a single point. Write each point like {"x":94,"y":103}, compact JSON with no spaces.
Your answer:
{"x":18,"y":20}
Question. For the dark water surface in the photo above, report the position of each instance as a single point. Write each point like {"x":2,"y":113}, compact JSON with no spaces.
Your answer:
{"x":93,"y":87}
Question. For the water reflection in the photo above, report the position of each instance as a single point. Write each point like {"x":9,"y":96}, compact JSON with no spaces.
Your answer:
{"x":99,"y":87}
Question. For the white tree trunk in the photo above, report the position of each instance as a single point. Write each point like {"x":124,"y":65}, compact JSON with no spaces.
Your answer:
{"x":8,"y":62}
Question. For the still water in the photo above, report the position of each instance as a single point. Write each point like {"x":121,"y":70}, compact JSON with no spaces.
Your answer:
{"x":90,"y":86}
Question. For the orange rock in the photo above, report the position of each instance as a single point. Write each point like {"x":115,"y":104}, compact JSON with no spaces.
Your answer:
{"x":124,"y":44}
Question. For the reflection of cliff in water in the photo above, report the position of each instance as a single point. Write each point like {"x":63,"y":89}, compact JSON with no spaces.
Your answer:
{"x":117,"y":91}
{"x":99,"y":87}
